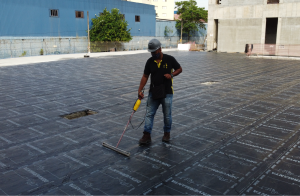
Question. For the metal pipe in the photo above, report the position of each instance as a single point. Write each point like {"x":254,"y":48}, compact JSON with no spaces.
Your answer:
{"x":88,"y":23}
{"x":181,"y":31}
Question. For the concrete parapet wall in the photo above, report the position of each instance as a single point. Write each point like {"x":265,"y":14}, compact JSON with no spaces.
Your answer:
{"x":137,"y":43}
{"x":26,"y":46}
{"x":16,"y":47}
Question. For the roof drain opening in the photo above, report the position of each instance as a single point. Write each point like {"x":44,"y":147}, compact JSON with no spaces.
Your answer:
{"x":78,"y":114}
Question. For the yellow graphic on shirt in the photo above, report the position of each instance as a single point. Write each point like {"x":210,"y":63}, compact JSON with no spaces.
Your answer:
{"x":158,"y":64}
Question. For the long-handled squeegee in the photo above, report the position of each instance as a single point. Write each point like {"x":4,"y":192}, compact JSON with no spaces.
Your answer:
{"x":135,"y":107}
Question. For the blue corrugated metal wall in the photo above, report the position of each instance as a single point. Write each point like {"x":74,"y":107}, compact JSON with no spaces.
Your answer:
{"x":31,"y":18}
{"x":162,"y":24}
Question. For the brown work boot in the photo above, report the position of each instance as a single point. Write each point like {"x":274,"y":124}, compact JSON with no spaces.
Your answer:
{"x":146,"y":139}
{"x":166,"y":137}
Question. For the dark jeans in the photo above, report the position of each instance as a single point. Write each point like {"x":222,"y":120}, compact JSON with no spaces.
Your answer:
{"x":152,"y":107}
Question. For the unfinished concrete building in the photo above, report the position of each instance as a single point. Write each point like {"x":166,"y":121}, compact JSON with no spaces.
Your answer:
{"x":234,"y":23}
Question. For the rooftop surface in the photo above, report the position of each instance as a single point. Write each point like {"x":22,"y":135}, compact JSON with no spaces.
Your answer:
{"x":235,"y":127}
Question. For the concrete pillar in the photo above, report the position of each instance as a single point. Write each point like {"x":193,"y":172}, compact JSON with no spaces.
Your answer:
{"x":263,"y":29}
{"x":278,"y":31}
{"x":210,"y":34}
{"x":278,"y":34}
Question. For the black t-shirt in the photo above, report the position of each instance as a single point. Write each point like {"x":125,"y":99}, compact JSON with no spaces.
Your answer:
{"x":158,"y":70}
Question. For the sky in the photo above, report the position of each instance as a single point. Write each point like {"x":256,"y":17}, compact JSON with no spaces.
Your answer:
{"x":200,"y":3}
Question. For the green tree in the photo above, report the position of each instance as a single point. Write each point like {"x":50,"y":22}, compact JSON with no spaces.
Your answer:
{"x":110,"y":26}
{"x":190,"y":16}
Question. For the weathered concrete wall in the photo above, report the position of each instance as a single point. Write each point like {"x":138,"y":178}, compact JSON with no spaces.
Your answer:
{"x":233,"y":34}
{"x":288,"y":1}
{"x":235,"y":10}
{"x":241,"y":2}
{"x":290,"y":28}
{"x":246,"y":2}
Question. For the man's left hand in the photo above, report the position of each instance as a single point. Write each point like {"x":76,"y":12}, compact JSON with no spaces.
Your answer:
{"x":168,"y":76}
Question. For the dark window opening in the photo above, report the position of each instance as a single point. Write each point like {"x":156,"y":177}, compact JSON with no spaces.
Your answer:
{"x":218,"y":1}
{"x":271,"y":30}
{"x":272,"y":1}
{"x":54,"y":13}
{"x":137,"y":19}
{"x":79,"y":14}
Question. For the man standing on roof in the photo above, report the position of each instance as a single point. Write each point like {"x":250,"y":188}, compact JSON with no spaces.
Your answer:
{"x":162,"y":68}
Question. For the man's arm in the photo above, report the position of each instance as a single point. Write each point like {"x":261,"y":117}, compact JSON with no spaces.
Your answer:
{"x":175,"y":73}
{"x":142,"y":84}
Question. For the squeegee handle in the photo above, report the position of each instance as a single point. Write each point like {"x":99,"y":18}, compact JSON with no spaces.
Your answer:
{"x":125,"y":129}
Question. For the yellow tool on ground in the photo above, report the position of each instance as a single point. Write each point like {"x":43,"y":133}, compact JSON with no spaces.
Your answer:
{"x":135,"y":107}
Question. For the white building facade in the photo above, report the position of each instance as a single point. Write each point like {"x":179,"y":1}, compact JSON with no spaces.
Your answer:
{"x":234,"y":23}
{"x":164,"y":8}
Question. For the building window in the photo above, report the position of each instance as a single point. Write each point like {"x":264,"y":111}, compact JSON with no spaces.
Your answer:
{"x":156,"y":7}
{"x":164,"y":0}
{"x":218,"y":2}
{"x":137,"y":19}
{"x":164,"y":14}
{"x":53,"y":13}
{"x":164,"y":7}
{"x":79,"y":14}
{"x":155,"y":0}
{"x":273,"y":1}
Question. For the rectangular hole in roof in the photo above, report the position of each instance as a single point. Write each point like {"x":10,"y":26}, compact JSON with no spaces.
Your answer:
{"x":78,"y":114}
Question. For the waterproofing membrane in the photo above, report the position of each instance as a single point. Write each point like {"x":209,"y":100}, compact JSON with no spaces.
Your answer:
{"x":237,"y":136}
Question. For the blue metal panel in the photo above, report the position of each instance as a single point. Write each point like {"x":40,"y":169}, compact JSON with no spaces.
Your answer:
{"x":31,"y":18}
{"x":161,"y":25}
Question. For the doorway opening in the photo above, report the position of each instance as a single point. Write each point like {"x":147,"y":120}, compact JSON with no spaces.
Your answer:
{"x":271,"y":30}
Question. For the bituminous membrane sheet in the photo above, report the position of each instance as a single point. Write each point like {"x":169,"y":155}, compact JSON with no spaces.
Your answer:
{"x":237,"y":135}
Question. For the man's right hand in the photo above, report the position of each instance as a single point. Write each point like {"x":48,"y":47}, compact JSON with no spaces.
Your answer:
{"x":142,"y":85}
{"x":141,"y":95}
